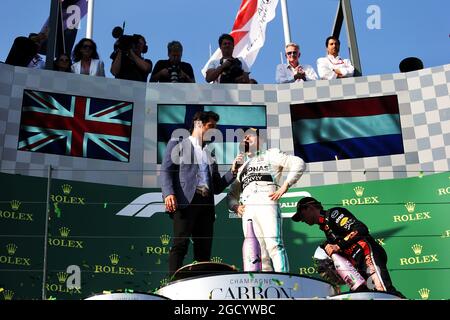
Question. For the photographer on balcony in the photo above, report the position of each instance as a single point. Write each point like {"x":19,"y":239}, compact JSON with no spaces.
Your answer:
{"x":128,"y":62}
{"x":173,"y":69}
{"x":227,"y":69}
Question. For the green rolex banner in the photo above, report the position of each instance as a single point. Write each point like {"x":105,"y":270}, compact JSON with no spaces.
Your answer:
{"x":110,"y":238}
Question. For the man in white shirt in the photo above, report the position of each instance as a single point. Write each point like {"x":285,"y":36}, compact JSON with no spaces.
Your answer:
{"x":227,"y":69}
{"x":333,"y":66}
{"x":293,"y":71}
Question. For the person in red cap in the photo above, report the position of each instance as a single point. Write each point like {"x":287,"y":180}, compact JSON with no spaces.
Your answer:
{"x":350,"y":238}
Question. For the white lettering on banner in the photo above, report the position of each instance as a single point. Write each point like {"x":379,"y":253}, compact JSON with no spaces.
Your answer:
{"x":374,"y":20}
{"x":73,"y":21}
{"x":412,"y":217}
{"x":148,"y":204}
{"x":74,"y":280}
{"x":443,"y":191}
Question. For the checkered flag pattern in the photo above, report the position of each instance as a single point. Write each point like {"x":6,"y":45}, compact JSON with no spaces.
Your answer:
{"x":423,"y":97}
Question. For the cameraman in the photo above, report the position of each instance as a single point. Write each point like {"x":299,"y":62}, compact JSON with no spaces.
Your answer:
{"x":227,"y":69}
{"x":128,"y":62}
{"x":173,"y":69}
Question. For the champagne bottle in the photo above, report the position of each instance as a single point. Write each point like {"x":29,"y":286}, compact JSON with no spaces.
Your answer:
{"x":251,"y":250}
{"x":347,"y":271}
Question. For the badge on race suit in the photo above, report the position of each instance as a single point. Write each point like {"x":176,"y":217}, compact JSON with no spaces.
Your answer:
{"x":334,"y":213}
{"x":343,"y":221}
{"x":349,"y":224}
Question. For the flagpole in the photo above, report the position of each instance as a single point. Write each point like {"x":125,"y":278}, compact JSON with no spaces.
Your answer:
{"x":51,"y":38}
{"x":47,"y":214}
{"x":286,"y":29}
{"x":90,"y":19}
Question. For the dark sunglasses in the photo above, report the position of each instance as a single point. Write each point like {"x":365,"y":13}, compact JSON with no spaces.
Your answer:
{"x":292,"y":53}
{"x":86,"y":46}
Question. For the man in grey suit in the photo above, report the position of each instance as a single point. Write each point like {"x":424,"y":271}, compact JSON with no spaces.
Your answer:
{"x":190,"y":178}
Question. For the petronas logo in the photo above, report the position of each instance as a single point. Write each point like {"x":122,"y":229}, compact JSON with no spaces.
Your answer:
{"x":114,"y":259}
{"x":165,"y":239}
{"x":216,"y":259}
{"x":417,"y":248}
{"x":62,"y":277}
{"x":410,"y":206}
{"x":424,"y":293}
{"x":66,"y":188}
{"x":11,"y":248}
{"x":358,"y":191}
{"x":8,"y":294}
{"x":15,"y":204}
{"x":64,"y":232}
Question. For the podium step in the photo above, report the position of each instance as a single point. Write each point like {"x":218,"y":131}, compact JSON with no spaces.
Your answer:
{"x":246,"y":286}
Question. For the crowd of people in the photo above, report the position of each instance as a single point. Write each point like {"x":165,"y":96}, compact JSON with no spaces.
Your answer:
{"x":128,"y":61}
{"x":255,"y":175}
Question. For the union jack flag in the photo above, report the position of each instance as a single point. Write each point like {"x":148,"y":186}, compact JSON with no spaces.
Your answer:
{"x":75,"y":126}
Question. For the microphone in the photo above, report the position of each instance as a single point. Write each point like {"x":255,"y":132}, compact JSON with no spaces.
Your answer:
{"x":240,"y":163}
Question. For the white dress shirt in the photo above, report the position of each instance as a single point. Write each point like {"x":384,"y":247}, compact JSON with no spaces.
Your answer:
{"x":285,"y":73}
{"x":327,"y":65}
{"x":202,"y":160}
{"x":96,"y":68}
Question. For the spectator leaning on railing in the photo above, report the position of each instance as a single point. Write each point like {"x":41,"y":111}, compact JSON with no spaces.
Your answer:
{"x":24,"y":51}
{"x":173,"y":69}
{"x":228,"y":69}
{"x":293,"y":71}
{"x":63,"y":63}
{"x":333,"y":66}
{"x":86,"y":59}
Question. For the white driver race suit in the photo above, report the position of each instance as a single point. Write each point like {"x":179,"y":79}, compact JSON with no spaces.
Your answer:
{"x":258,"y":177}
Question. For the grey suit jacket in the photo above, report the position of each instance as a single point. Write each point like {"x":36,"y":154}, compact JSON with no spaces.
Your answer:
{"x":179,"y":173}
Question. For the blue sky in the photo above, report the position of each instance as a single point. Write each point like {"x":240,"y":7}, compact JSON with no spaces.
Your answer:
{"x":421,"y":30}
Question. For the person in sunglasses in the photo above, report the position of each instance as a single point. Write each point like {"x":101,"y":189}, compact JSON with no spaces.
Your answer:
{"x":293,"y":71}
{"x":86,"y":59}
{"x":333,"y":66}
{"x":349,"y":237}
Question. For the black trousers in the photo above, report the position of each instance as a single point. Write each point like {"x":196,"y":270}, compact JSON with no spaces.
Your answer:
{"x":196,"y":221}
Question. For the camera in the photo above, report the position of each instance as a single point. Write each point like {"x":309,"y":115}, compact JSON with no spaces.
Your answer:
{"x":174,"y":73}
{"x":124,"y":42}
{"x":230,"y":73}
